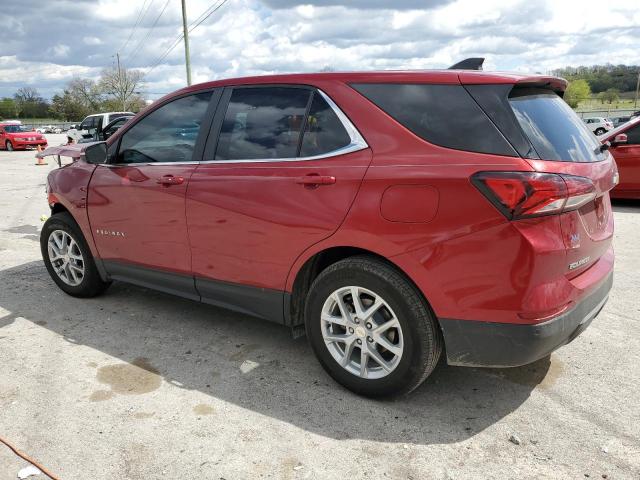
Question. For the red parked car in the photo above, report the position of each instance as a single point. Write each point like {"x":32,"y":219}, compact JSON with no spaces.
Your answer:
{"x":392,"y":216}
{"x":625,"y":148}
{"x":14,"y":136}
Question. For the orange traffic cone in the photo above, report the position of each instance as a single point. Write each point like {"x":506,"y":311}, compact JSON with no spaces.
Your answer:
{"x":40,"y":160}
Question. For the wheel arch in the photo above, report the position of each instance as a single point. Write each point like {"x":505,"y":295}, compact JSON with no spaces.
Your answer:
{"x":302,"y":279}
{"x":58,"y":207}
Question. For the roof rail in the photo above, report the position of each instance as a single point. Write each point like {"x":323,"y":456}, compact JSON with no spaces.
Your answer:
{"x":474,"y":63}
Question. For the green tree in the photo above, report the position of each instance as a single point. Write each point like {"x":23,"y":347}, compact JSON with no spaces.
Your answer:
{"x":8,"y":108}
{"x":577,"y":91}
{"x":30,"y":104}
{"x":610,"y":95}
{"x":67,"y":107}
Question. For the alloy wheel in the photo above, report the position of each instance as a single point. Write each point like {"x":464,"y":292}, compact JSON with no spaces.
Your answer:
{"x":66,"y":258}
{"x":362,"y":332}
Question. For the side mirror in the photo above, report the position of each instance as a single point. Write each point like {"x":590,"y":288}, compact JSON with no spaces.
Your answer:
{"x":96,"y":154}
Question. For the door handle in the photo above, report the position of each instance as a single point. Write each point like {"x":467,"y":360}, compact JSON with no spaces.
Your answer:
{"x":315,"y":180}
{"x":167,"y":180}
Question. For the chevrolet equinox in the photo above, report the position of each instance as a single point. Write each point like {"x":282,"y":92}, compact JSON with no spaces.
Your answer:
{"x":393,"y":217}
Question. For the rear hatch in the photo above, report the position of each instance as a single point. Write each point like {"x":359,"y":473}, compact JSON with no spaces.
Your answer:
{"x":554,"y":140}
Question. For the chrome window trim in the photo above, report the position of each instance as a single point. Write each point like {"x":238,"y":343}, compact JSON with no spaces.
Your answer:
{"x":146,"y":164}
{"x":356,"y":144}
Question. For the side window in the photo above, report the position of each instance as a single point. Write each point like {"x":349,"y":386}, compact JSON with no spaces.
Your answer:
{"x":168,"y":134}
{"x":324,"y":131}
{"x":86,"y":124}
{"x":633,"y":135}
{"x":444,"y":115}
{"x":262,"y":123}
{"x":113,"y":116}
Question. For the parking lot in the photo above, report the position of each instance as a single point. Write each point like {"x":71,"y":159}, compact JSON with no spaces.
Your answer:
{"x":137,"y":384}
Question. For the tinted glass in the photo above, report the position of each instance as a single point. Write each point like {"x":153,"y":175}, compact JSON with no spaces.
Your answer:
{"x":441,"y":114}
{"x":324,"y":131}
{"x":167,"y":134}
{"x":633,"y":135}
{"x":15,"y":129}
{"x":262,"y":123}
{"x":553,"y":128}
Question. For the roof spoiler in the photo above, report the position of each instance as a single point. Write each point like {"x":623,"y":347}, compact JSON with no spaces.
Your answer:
{"x":474,"y":63}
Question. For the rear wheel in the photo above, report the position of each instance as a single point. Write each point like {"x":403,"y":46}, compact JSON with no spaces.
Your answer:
{"x":600,"y":131}
{"x":68,"y":258}
{"x":9,"y":146}
{"x":370,"y":328}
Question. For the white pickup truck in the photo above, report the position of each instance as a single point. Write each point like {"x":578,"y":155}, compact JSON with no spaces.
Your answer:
{"x":94,"y":124}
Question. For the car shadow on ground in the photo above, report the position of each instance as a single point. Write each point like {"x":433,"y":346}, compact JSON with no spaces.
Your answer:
{"x":195,"y":346}
{"x":625,"y":206}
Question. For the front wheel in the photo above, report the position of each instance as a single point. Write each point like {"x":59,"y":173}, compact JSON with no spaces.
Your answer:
{"x":68,"y":258}
{"x":9,"y":146}
{"x":370,"y":328}
{"x":600,"y":131}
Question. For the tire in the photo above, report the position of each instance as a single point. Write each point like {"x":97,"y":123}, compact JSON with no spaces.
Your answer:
{"x":600,"y":131}
{"x":76,"y":255}
{"x":414,"y":348}
{"x":9,"y":146}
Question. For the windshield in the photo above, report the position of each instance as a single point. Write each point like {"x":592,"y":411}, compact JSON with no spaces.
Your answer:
{"x":15,"y":129}
{"x":553,"y":128}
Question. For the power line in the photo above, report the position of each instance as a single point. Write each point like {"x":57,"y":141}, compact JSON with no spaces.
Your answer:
{"x":195,"y":24}
{"x":139,"y":44}
{"x":135,"y":26}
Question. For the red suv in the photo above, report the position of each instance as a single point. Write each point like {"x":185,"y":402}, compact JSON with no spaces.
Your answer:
{"x":391,"y":216}
{"x":625,"y":148}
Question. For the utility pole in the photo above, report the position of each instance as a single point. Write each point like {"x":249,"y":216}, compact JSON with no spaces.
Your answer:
{"x":637,"y":90}
{"x":124,"y":102}
{"x":187,"y":56}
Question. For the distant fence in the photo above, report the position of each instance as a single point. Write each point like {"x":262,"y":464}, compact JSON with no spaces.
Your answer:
{"x":64,"y":126}
{"x":34,"y":124}
{"x":609,"y":113}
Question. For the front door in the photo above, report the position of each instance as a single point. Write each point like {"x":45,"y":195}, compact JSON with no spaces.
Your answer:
{"x":276,"y":181}
{"x":136,"y":203}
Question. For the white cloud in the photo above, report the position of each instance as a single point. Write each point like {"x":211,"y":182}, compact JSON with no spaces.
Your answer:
{"x":59,"y":51}
{"x":92,"y":41}
{"x":248,"y":37}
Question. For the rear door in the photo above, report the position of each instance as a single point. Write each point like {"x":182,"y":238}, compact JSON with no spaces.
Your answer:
{"x":627,"y":157}
{"x":137,"y":201}
{"x":281,"y":169}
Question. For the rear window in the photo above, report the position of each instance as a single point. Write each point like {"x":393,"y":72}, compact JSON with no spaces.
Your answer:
{"x":553,"y":128}
{"x":114,"y":116}
{"x":444,"y":115}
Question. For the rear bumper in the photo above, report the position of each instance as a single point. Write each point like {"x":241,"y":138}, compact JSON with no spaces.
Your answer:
{"x":490,"y":344}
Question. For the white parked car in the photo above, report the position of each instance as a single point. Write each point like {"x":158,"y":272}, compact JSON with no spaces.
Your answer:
{"x":598,"y":125}
{"x":94,"y":123}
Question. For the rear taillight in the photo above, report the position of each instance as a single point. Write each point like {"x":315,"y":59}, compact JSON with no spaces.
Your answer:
{"x":529,"y":194}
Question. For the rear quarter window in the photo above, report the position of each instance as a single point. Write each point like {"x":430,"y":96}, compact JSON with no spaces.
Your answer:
{"x":444,"y":115}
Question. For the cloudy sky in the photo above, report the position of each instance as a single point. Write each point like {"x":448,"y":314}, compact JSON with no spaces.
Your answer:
{"x":45,"y":43}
